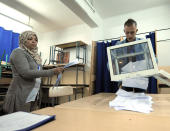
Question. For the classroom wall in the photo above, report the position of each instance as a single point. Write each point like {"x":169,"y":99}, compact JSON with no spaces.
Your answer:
{"x":74,"y":33}
{"x":148,"y":20}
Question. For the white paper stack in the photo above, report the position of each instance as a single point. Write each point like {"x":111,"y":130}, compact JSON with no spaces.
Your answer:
{"x":138,"y":102}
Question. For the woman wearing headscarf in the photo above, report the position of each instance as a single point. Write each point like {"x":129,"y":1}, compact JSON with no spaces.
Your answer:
{"x":26,"y":66}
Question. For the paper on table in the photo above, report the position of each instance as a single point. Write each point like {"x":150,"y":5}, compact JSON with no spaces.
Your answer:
{"x":21,"y":121}
{"x":139,"y":102}
{"x":133,"y":104}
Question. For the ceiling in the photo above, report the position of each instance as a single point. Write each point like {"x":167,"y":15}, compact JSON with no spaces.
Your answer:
{"x":52,"y":15}
{"x":46,"y":15}
{"x":113,"y":7}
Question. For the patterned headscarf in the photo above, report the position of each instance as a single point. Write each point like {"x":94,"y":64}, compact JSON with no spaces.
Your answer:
{"x":22,"y":44}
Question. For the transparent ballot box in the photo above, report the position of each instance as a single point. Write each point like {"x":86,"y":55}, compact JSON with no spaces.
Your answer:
{"x":133,"y":59}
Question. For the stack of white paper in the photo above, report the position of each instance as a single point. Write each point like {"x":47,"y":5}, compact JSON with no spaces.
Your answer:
{"x":139,"y":102}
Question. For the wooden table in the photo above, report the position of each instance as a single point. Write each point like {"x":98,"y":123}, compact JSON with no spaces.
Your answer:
{"x":93,"y":114}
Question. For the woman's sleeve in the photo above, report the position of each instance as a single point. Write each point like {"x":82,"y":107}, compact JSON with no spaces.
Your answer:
{"x":20,"y":62}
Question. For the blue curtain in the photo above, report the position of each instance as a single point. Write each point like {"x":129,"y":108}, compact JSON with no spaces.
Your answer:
{"x":8,"y":41}
{"x":152,"y":87}
{"x":103,"y":81}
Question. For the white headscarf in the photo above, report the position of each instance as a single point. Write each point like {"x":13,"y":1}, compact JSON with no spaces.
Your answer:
{"x":22,"y":44}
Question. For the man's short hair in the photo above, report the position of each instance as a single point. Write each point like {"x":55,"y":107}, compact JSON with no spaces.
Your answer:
{"x":130,"y":22}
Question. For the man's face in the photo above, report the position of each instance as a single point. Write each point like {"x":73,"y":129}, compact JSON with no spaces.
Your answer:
{"x":130,"y":32}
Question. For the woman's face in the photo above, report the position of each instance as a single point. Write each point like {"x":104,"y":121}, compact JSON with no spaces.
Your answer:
{"x":31,"y":42}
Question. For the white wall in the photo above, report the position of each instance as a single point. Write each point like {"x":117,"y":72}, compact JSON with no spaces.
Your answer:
{"x":74,"y":33}
{"x":45,"y":40}
{"x":148,"y":20}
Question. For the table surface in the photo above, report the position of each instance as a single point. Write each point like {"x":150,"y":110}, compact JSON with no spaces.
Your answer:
{"x":94,"y":114}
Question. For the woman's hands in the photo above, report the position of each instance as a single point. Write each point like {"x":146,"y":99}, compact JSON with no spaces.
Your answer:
{"x":58,"y":70}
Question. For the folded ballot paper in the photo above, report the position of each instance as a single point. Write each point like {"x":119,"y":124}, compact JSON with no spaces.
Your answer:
{"x":74,"y":62}
{"x":137,"y":82}
{"x":138,"y":102}
{"x":56,"y":90}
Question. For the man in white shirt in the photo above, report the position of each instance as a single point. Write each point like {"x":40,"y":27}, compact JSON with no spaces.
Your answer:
{"x":130,"y":29}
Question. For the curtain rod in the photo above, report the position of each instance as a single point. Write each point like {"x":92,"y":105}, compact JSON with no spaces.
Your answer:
{"x":163,"y":40}
{"x":136,"y":34}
